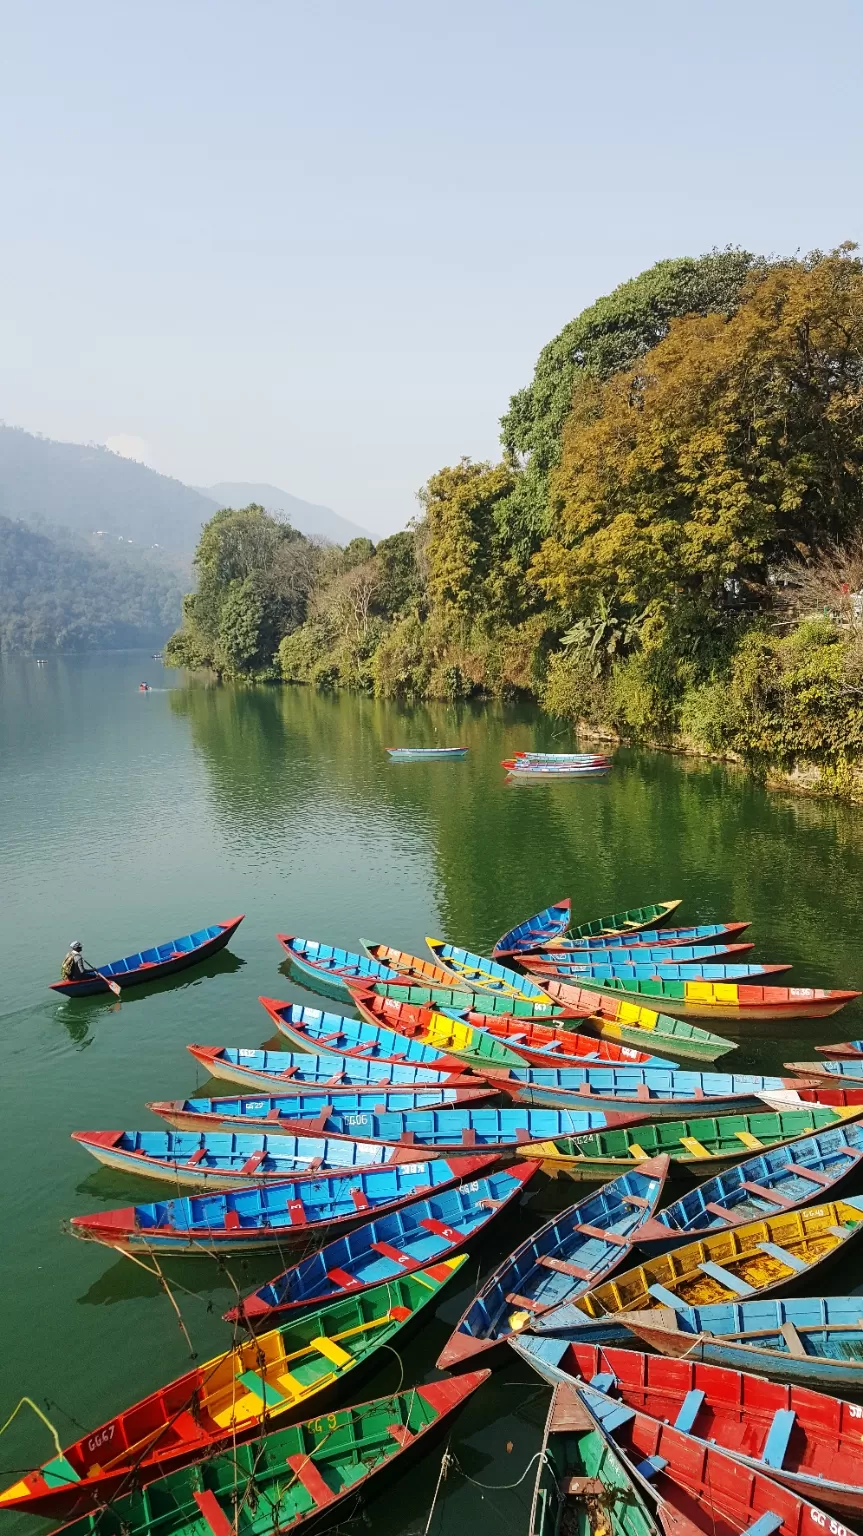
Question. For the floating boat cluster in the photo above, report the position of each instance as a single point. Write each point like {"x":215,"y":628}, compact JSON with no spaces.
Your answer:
{"x":375,"y":1149}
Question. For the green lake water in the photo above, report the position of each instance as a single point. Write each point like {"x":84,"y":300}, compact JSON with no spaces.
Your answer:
{"x":126,"y":819}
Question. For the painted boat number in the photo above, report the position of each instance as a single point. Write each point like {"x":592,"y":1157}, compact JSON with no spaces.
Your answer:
{"x":471,"y":1188}
{"x":818,"y":1517}
{"x":244,"y":1052}
{"x":356,"y":1119}
{"x":421,"y":1168}
{"x":104,"y":1437}
{"x":253,"y":1104}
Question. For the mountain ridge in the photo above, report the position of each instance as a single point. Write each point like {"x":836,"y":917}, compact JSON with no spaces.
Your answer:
{"x":309,"y":517}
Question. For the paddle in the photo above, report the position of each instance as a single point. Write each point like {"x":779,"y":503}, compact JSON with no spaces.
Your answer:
{"x":107,"y":980}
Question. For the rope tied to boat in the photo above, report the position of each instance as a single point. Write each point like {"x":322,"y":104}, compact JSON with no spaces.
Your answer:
{"x":43,"y":1416}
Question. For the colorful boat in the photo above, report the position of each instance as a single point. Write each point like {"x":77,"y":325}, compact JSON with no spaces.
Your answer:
{"x":398,"y":1243}
{"x":299,"y":1474}
{"x":543,"y":1045}
{"x":459,"y":1001}
{"x":812,"y":1168}
{"x":620,"y":975}
{"x":614,"y":1018}
{"x":264,"y":1216}
{"x":704,"y":999}
{"x":259,"y":1386}
{"x":534,"y":932}
{"x":634,"y":920}
{"x":746,"y":1261}
{"x":444,"y":1131}
{"x":697,"y":1147}
{"x":564,"y":757}
{"x":846,"y":1070}
{"x":274,"y":1112}
{"x":699,"y":1482}
{"x":850,"y":1098}
{"x":571,"y":961}
{"x":814,"y":1340}
{"x":578,"y":1473}
{"x":655,"y":1091}
{"x":326,"y":968}
{"x":420,"y":754}
{"x":485,"y":975}
{"x":154,"y":963}
{"x":473,"y":1044}
{"x":852,"y":1048}
{"x":214,"y":1161}
{"x":300,"y":1073}
{"x":315,"y":1031}
{"x":805,"y":1440}
{"x":571,"y":1253}
{"x":519,"y":768}
{"x":702,"y":933}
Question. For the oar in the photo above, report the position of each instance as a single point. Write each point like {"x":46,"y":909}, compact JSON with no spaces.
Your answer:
{"x":107,"y":980}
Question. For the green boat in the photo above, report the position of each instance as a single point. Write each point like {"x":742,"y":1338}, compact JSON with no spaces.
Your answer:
{"x":616,"y":1018}
{"x":284,"y":1480}
{"x":697,"y":1148}
{"x":635,"y":920}
{"x":581,"y":1486}
{"x":453,"y":1000}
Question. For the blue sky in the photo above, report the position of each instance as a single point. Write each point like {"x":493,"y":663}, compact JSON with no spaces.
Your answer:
{"x":320,"y":244}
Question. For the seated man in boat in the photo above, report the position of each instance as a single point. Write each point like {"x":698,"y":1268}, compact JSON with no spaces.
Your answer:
{"x":73,"y":967}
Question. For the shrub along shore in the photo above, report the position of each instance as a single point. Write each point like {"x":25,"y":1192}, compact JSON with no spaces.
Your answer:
{"x":669,"y":552}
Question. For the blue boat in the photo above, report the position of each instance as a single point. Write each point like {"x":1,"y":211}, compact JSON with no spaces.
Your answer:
{"x":288,"y":1072}
{"x":326,"y":968}
{"x":658,"y":1093}
{"x":416,"y":1236}
{"x":152,"y":964}
{"x":313,"y":1030}
{"x":470,"y":970}
{"x":702,"y":933}
{"x":286,"y":1111}
{"x":846,"y":1071}
{"x":458,"y":1130}
{"x":814,"y":1340}
{"x":637,"y":954}
{"x":215,"y":1161}
{"x":551,"y":923}
{"x":572,"y":1252}
{"x":668,"y":972}
{"x":265,"y":1216}
{"x":809,"y":1168}
{"x":423,"y":754}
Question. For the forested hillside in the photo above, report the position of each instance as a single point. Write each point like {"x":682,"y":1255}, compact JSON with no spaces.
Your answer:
{"x":55,"y":595}
{"x":671,"y":548}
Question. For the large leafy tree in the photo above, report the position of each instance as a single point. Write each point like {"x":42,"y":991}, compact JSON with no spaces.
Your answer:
{"x":734,"y":443}
{"x":461,"y":536}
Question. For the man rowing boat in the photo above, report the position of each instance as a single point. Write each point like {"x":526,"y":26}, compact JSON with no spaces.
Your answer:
{"x":74,"y":967}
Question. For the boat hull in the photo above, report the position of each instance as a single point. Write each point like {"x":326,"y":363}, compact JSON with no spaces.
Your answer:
{"x":91,"y":986}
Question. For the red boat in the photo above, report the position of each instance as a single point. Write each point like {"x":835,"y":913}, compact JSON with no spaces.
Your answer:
{"x":806,"y":1440}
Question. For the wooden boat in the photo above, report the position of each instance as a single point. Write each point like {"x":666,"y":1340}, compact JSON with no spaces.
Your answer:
{"x":485,"y":976}
{"x":519,"y":768}
{"x":299,"y":1073}
{"x":458,"y":1001}
{"x":152,"y":964}
{"x":472,"y":1044}
{"x":634,"y":920}
{"x":571,"y":1253}
{"x":260,"y":1217}
{"x":271,"y":1112}
{"x":421,"y":754}
{"x":259,"y":1386}
{"x":655,"y":1091}
{"x":846,"y":1070}
{"x":701,"y":1483}
{"x":852,"y":1048}
{"x":663,"y":938}
{"x":443,"y":1131}
{"x":744,"y":1262}
{"x":630,"y":978}
{"x":814,"y":1340}
{"x":697,"y":1147}
{"x":299,"y":1474}
{"x":397,"y":1243}
{"x":615,"y":1018}
{"x":326,"y":968}
{"x":213,"y":1161}
{"x":581,"y":1483}
{"x":835,"y":1098}
{"x":564,"y":757}
{"x":703,"y":999}
{"x":543,"y":1045}
{"x":313,"y":1030}
{"x":805,"y":1440}
{"x":566,"y":962}
{"x":812,"y":1168}
{"x":535,"y":932}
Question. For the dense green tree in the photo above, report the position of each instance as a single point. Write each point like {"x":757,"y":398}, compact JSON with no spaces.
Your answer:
{"x":460,"y":504}
{"x":399,"y":585}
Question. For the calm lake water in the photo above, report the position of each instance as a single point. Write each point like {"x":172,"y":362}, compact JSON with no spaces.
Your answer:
{"x":126,"y":819}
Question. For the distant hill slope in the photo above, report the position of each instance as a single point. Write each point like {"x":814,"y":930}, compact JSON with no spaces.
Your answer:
{"x":87,"y":488}
{"x":55,"y":595}
{"x":304,"y":515}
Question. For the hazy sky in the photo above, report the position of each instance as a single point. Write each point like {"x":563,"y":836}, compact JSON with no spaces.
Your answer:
{"x":321,"y":244}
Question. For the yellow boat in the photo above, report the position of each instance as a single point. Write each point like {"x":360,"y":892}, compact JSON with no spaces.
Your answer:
{"x":741,"y":1265}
